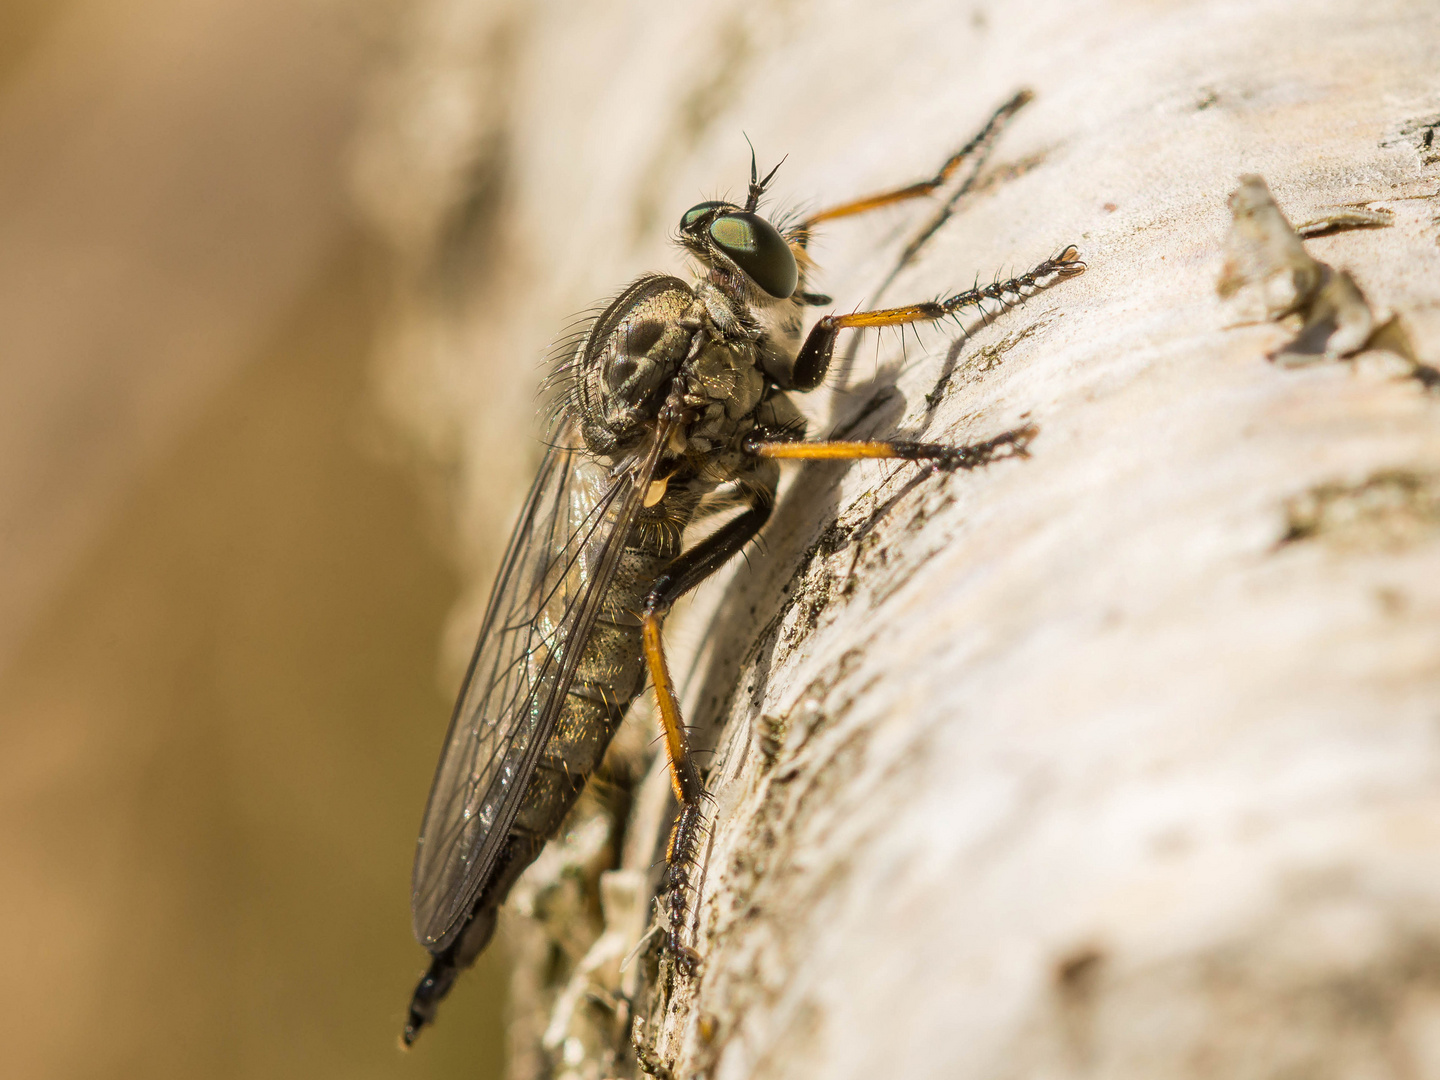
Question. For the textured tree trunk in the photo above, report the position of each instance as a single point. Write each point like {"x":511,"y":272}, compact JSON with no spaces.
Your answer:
{"x":1120,"y":760}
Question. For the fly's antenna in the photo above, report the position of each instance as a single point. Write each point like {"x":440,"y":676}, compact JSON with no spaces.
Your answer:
{"x":757,"y":187}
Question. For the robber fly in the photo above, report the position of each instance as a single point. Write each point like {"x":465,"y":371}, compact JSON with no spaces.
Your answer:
{"x":674,"y":401}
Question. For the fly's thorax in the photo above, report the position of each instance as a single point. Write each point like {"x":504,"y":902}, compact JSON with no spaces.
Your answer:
{"x":623,"y":368}
{"x":723,"y":386}
{"x":715,"y":451}
{"x":774,"y":326}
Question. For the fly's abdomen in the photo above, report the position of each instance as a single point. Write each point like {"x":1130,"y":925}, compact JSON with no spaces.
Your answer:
{"x":610,"y":674}
{"x":608,"y":677}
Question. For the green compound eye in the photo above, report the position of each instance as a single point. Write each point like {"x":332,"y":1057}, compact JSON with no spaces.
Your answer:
{"x":697,"y":213}
{"x":757,"y":248}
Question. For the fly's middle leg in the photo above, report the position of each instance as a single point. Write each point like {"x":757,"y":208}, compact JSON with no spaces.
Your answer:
{"x":682,"y":575}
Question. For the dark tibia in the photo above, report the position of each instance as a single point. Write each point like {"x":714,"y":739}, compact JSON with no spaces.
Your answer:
{"x":706,"y":557}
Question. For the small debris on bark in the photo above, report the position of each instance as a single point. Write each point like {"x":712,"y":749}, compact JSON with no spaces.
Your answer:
{"x":1265,"y":260}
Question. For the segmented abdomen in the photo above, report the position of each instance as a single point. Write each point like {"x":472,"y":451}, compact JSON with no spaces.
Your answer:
{"x":608,"y":677}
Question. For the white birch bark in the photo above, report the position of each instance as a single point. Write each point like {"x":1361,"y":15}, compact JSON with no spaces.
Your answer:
{"x":1071,"y":766}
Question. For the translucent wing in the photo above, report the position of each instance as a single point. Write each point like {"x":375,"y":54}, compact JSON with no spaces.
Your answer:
{"x":561,"y":559}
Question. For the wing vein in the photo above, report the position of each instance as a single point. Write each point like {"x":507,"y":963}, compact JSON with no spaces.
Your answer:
{"x":552,"y":583}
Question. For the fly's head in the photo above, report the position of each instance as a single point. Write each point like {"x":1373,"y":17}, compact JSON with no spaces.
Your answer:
{"x":621,"y":371}
{"x":742,"y":251}
{"x":754,"y":280}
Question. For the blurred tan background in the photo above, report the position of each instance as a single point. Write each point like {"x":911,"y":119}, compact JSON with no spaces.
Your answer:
{"x":226,"y":576}
{"x":221,"y":594}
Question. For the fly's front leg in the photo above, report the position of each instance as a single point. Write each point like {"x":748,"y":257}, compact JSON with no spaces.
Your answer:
{"x":923,"y":187}
{"x":687,"y":571}
{"x":814,"y":357}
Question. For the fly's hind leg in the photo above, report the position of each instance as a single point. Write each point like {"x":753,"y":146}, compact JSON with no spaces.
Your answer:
{"x":687,"y":571}
{"x":685,"y":779}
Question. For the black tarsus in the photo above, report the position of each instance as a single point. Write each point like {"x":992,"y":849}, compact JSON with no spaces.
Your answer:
{"x":685,"y":839}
